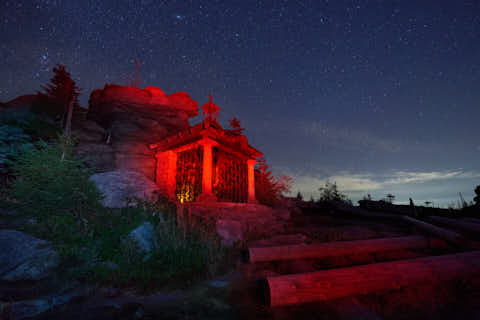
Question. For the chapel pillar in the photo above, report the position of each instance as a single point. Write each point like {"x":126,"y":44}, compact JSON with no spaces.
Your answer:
{"x":251,"y":181}
{"x":207,"y":194}
{"x":166,"y":169}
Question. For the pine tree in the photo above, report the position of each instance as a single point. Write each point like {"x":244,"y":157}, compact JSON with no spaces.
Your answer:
{"x":235,"y":125}
{"x":330,"y":192}
{"x":477,"y":198}
{"x":60,"y":97}
{"x":268,"y":189}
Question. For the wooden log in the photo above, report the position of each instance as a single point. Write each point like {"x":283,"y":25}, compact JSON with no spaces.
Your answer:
{"x":471,"y":220}
{"x":447,"y":235}
{"x":280,"y":240}
{"x":380,"y":277}
{"x":469,"y":227}
{"x":364,"y":213}
{"x":338,"y":248}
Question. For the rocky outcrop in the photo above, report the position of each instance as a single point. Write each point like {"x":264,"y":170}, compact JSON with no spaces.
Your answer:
{"x":119,"y":185}
{"x":131,"y":119}
{"x":24,"y":257}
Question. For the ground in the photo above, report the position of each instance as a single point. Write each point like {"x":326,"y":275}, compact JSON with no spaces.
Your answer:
{"x":236,"y":295}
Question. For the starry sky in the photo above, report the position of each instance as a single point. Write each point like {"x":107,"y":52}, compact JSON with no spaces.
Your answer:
{"x":379,"y":96}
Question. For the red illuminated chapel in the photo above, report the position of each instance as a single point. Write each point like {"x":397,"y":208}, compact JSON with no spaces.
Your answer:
{"x":206,"y":163}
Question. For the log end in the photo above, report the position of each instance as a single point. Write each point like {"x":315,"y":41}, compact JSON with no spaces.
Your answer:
{"x":264,"y":289}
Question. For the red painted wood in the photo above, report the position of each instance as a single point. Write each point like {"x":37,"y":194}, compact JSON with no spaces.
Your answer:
{"x":442,"y":233}
{"x":337,"y":283}
{"x":335,"y":249}
{"x":467,"y":226}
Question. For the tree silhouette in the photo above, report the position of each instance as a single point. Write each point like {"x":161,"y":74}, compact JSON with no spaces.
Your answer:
{"x":477,"y":198}
{"x":390,"y":198}
{"x":268,"y":189}
{"x":235,"y":125}
{"x":330,"y":192}
{"x":59,"y":98}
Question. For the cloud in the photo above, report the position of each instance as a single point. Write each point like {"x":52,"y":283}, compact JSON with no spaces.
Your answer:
{"x":351,"y":184}
{"x":402,"y":177}
{"x":401,"y":183}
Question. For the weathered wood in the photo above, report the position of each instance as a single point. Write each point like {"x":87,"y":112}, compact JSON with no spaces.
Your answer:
{"x":364,"y":213}
{"x":380,"y":277}
{"x":447,"y":235}
{"x":469,"y":227}
{"x":338,"y":248}
{"x":279,"y":240}
{"x":471,"y":220}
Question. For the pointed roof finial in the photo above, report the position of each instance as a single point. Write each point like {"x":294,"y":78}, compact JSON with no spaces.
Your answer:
{"x":210,"y":110}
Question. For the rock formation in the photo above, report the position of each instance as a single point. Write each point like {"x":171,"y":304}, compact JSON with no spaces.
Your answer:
{"x":24,"y":257}
{"x":119,"y":185}
{"x":129,"y":119}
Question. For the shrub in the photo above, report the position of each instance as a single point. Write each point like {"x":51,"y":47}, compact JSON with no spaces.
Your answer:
{"x":11,"y":139}
{"x":49,"y":181}
{"x":54,"y":188}
{"x":268,"y":189}
{"x":330,"y":192}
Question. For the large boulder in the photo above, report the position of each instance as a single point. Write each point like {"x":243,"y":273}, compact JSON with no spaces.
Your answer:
{"x":119,"y":185}
{"x":133,"y":118}
{"x":24,"y":257}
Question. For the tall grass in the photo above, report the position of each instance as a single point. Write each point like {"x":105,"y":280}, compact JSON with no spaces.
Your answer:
{"x":53,"y":188}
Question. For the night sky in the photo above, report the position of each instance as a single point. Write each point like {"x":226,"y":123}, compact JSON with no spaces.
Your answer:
{"x":379,"y":96}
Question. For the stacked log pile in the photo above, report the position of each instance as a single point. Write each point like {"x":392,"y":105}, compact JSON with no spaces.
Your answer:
{"x":448,"y":257}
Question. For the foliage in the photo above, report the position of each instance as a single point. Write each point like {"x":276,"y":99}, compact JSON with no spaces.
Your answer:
{"x":476,"y":199}
{"x":268,"y":189}
{"x":236,"y":126}
{"x":40,"y":129}
{"x":180,"y":255}
{"x":11,"y":139}
{"x":53,"y":190}
{"x":19,"y":129}
{"x":389,"y":198}
{"x":330,"y":192}
{"x":51,"y":185}
{"x":299,"y":196}
{"x":57,"y":95}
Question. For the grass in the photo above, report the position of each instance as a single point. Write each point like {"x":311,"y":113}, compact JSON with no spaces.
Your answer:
{"x":53,"y":188}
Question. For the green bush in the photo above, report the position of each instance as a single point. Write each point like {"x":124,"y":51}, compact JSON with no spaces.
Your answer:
{"x":53,"y":188}
{"x":49,"y":181}
{"x":11,"y":139}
